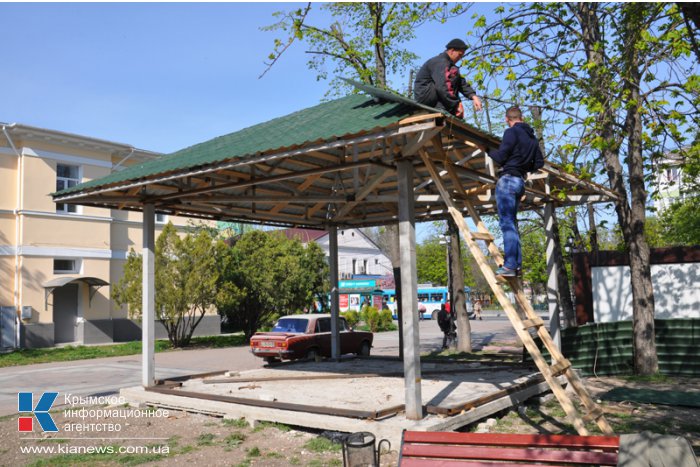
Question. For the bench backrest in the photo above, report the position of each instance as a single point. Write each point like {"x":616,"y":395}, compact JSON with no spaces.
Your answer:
{"x":424,"y":448}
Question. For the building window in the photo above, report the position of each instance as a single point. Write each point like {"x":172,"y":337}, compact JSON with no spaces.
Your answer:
{"x":161,"y":218}
{"x":67,"y":176}
{"x":66,"y":266}
{"x":672,"y":175}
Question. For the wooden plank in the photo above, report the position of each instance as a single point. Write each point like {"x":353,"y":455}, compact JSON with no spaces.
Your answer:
{"x":547,"y":456}
{"x":422,"y":462}
{"x":301,"y":188}
{"x":263,"y":180}
{"x":560,"y":367}
{"x":478,"y":402}
{"x":420,"y":118}
{"x":482,"y":236}
{"x":605,"y":443}
{"x":364,"y":414}
{"x":364,"y":192}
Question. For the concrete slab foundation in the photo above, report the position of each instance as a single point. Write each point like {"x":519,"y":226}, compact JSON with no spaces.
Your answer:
{"x":328,"y":395}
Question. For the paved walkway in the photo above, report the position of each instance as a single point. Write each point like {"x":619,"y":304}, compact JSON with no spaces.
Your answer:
{"x":107,"y":375}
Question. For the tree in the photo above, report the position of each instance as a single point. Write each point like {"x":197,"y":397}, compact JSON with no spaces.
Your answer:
{"x":680,"y":223}
{"x":271,"y":276}
{"x":431,"y":262}
{"x":364,"y":42}
{"x":364,"y":39}
{"x":620,"y":76}
{"x":533,"y":244}
{"x":186,"y":280}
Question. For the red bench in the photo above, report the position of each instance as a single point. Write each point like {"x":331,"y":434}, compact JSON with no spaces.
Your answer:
{"x":426,"y":448}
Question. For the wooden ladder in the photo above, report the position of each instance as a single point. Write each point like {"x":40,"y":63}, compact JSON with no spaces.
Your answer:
{"x":525,"y":318}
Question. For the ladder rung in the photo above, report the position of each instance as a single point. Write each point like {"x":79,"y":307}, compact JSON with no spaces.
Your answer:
{"x":560,"y":367}
{"x":532,"y":323}
{"x":482,"y":236}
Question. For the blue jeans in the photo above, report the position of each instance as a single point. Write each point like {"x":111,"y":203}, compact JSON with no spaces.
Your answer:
{"x":509,"y":189}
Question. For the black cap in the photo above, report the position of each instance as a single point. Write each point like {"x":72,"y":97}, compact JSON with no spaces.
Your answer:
{"x":456,"y":44}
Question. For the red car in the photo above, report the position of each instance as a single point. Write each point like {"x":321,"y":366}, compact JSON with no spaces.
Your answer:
{"x":307,"y":336}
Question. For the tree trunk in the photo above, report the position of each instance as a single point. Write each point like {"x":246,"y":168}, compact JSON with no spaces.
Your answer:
{"x":632,"y":219}
{"x":391,"y":244}
{"x":645,"y":357}
{"x":592,"y":230}
{"x":459,"y":298}
{"x":376,"y":9}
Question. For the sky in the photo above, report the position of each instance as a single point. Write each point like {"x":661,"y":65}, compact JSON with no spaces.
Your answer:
{"x":158,"y":76}
{"x":161,"y":76}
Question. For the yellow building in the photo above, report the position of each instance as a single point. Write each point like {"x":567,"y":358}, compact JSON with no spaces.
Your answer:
{"x":58,"y":261}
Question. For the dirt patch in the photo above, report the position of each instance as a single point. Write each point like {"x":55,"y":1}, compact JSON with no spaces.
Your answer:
{"x":182,"y":438}
{"x":545,"y":415}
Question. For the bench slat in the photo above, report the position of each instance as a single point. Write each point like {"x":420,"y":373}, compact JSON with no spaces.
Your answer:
{"x":453,"y":463}
{"x":604,"y":443}
{"x":550,"y":456}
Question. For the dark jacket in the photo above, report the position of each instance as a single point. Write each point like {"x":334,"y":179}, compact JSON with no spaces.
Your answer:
{"x":443,"y":319}
{"x":438,"y":84}
{"x":519,"y":152}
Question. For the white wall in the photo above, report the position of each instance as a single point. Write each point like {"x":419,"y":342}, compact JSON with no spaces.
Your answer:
{"x":353,"y":245}
{"x":676,"y":291}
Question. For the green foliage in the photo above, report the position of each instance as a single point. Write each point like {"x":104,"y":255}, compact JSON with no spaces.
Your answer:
{"x":363,"y":41}
{"x":352,"y":317}
{"x":386,"y":320}
{"x":431,"y":262}
{"x":533,"y":245}
{"x":680,"y":223}
{"x":321,"y":444}
{"x":271,"y":276}
{"x":593,"y":66}
{"x":620,"y":85}
{"x":370,"y":315}
{"x":186,"y":281}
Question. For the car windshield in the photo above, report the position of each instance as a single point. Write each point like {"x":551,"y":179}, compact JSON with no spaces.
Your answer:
{"x":291,"y":325}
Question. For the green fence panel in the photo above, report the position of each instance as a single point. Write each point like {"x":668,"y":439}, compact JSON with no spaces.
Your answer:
{"x":605,"y":349}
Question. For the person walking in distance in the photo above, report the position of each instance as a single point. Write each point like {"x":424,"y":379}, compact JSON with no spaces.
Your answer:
{"x":445,"y":323}
{"x":477,"y":309}
{"x":438,"y":82}
{"x":518,"y":155}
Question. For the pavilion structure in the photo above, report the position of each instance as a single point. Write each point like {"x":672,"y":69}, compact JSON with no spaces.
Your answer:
{"x":367,"y":159}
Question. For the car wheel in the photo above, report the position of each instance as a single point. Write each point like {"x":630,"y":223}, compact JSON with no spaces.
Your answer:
{"x":364,"y":349}
{"x":311,"y":354}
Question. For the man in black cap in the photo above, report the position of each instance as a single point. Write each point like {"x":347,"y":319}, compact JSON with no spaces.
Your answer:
{"x":439,"y":83}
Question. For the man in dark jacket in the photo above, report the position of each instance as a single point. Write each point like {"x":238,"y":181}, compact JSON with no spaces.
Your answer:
{"x":518,"y":154}
{"x":447,"y":326}
{"x":439,"y":83}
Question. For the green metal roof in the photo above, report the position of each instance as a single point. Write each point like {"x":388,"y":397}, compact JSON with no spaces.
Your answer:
{"x":354,"y":114}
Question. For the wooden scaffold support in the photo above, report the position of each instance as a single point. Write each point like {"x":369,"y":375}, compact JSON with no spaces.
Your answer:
{"x":523,"y":318}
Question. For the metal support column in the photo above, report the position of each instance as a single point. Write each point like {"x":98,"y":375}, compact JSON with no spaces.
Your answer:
{"x":148,"y":304}
{"x":335,"y":304}
{"x":409,"y":297}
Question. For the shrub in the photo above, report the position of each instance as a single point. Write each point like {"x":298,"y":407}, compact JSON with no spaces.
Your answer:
{"x":352,"y":317}
{"x":386,"y":321}
{"x":371,"y":318}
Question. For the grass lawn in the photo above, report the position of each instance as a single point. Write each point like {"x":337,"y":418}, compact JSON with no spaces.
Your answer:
{"x":82,"y":352}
